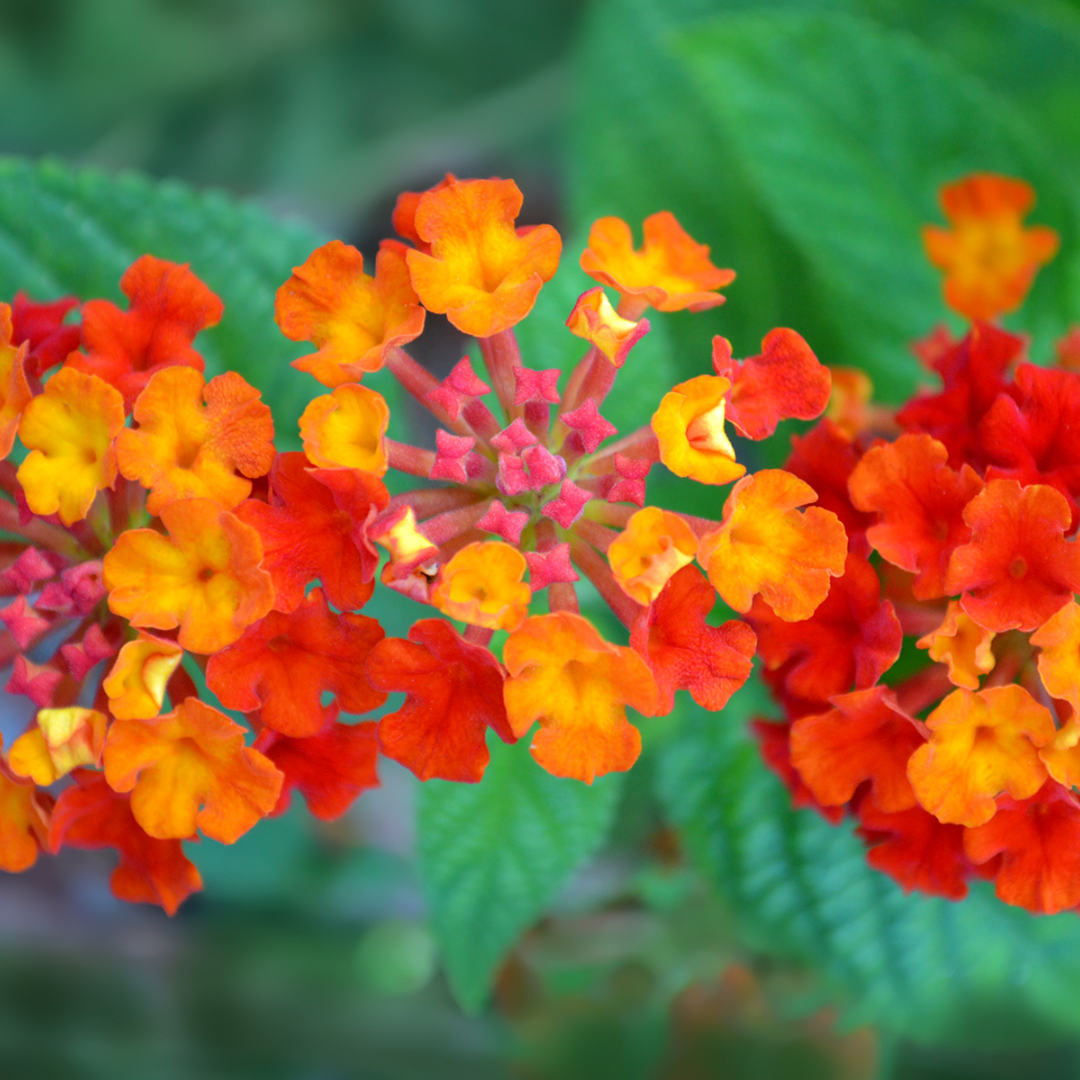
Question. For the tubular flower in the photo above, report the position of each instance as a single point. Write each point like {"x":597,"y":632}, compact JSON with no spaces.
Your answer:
{"x":138,"y":681}
{"x":204,"y":577}
{"x":919,"y":501}
{"x":188,"y":770}
{"x":1017,"y":569}
{"x":595,"y":320}
{"x":562,"y":673}
{"x":63,"y":740}
{"x":183,"y":449}
{"x":453,"y":694}
{"x":168,"y":307}
{"x":284,"y":664}
{"x":653,"y":548}
{"x":963,"y":644}
{"x":766,"y":545}
{"x":14,"y":389}
{"x":785,"y":382}
{"x":689,"y":426}
{"x":351,"y":317}
{"x":70,"y":430}
{"x":25,"y":811}
{"x":315,"y":526}
{"x":856,"y":741}
{"x":481,"y":273}
{"x":483,"y":585}
{"x":989,"y":258}
{"x":330,"y":769}
{"x":684,"y":652}
{"x":1058,"y":640}
{"x":669,"y":272}
{"x":346,"y":429}
{"x":92,"y":815}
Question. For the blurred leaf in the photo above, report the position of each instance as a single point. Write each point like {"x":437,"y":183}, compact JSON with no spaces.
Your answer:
{"x":76,"y":231}
{"x":918,"y":966}
{"x":493,"y":855}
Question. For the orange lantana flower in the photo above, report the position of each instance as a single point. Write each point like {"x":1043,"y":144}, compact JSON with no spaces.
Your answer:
{"x":1018,"y":568}
{"x":766,"y":545}
{"x":168,"y":307}
{"x":689,"y":426}
{"x":482,"y":273}
{"x":190,"y":769}
{"x":595,"y":320}
{"x":89,"y":814}
{"x":564,"y":674}
{"x":353,"y":318}
{"x":989,"y":258}
{"x":63,"y":740}
{"x":14,"y":389}
{"x":137,"y":682}
{"x":346,"y":429}
{"x":669,"y":272}
{"x":483,"y":584}
{"x":655,"y":545}
{"x":963,"y":644}
{"x":24,"y":822}
{"x":1058,"y":640}
{"x":920,"y":503}
{"x":183,"y":449}
{"x":204,"y":577}
{"x":981,"y":744}
{"x":69,"y":430}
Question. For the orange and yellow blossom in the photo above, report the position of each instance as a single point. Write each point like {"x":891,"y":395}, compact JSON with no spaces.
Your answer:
{"x":204,"y":577}
{"x":655,"y":545}
{"x":183,"y":449}
{"x":981,"y":744}
{"x":138,"y":680}
{"x":346,"y":430}
{"x":352,"y":317}
{"x":63,"y":740}
{"x":483,"y":585}
{"x":24,"y":821}
{"x":14,"y":389}
{"x":963,"y":644}
{"x":989,"y":258}
{"x":482,"y":273}
{"x":689,"y":426}
{"x":578,"y":686}
{"x":595,"y":320}
{"x":69,"y":430}
{"x":766,"y":545}
{"x":190,"y":770}
{"x":670,"y":271}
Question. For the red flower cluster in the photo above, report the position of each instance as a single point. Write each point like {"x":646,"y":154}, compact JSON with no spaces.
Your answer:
{"x":961,"y":510}
{"x":156,"y":530}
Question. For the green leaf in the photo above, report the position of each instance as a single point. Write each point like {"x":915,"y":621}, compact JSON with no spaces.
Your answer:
{"x":76,"y":231}
{"x":918,"y":966}
{"x":493,"y":855}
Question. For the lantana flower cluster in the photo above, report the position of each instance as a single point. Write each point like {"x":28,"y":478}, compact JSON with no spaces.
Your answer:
{"x":959,"y":757}
{"x":166,"y":563}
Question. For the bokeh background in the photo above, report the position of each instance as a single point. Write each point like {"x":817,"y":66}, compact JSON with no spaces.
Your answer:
{"x":713,"y":933}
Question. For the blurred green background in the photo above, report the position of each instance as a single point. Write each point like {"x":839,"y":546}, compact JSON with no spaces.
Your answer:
{"x":681,"y":923}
